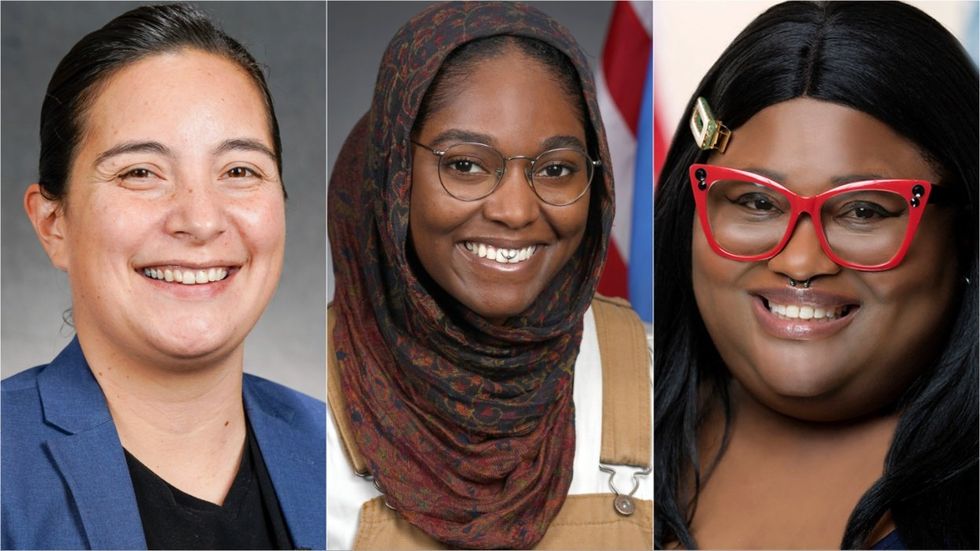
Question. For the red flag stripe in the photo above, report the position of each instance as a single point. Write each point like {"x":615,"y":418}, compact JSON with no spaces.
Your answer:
{"x":624,"y":61}
{"x":613,"y":280}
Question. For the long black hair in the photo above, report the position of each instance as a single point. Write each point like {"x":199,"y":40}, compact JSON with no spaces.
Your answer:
{"x":897,"y":64}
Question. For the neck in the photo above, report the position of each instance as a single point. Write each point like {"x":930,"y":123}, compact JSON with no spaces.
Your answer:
{"x":186,"y":423}
{"x":758,"y":419}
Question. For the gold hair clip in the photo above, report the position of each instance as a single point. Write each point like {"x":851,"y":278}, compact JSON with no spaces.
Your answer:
{"x":709,"y":132}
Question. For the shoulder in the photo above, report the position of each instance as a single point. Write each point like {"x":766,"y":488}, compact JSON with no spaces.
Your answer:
{"x":25,"y":380}
{"x":622,"y":336}
{"x":284,"y":401}
{"x":21,"y":404}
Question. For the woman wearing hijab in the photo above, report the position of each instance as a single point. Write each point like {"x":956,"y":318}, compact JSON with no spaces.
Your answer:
{"x":469,"y":215}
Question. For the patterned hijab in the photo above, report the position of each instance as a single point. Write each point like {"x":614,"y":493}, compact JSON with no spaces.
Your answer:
{"x":467,"y":427}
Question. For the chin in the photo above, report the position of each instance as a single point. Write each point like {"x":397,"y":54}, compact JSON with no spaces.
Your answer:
{"x":195,"y":344}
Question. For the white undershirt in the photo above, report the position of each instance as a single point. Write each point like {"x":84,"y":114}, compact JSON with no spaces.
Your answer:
{"x":346,"y":492}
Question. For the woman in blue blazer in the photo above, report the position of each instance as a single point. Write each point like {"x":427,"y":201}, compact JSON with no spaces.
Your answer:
{"x":160,"y":195}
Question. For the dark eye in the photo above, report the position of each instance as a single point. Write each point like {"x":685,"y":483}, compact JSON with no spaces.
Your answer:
{"x":138,"y":173}
{"x":555,"y":170}
{"x":461,"y":166}
{"x":865,"y":211}
{"x":755,"y":201}
{"x":241,"y":172}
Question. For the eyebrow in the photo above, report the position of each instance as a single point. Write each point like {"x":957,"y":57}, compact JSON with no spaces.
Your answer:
{"x":235,"y":144}
{"x":133,"y":147}
{"x":459,"y":135}
{"x":245,"y":144}
{"x":836,"y":181}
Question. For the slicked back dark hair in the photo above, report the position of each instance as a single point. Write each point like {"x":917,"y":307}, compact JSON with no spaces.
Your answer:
{"x":134,"y":35}
{"x":897,"y":64}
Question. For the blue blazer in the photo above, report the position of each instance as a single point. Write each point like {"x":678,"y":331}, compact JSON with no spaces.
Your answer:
{"x":64,"y":481}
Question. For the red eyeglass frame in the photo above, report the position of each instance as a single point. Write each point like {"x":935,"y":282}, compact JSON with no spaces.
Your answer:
{"x":702,"y":182}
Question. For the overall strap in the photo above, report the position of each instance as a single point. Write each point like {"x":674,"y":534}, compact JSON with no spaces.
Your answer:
{"x":626,"y":428}
{"x":337,"y":404}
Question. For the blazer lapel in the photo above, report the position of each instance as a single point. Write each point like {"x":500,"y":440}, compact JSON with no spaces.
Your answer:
{"x":295,"y":463}
{"x":89,"y":454}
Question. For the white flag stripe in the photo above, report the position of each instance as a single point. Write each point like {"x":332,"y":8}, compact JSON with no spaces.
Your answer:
{"x":622,"y":148}
{"x":644,"y":12}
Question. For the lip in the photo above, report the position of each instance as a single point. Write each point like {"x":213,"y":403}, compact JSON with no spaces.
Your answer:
{"x":199,"y":291}
{"x":801,"y":330}
{"x":529,"y":266}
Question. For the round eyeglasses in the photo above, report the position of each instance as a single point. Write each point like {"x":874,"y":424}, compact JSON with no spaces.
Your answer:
{"x":865,"y":226}
{"x":470,"y":171}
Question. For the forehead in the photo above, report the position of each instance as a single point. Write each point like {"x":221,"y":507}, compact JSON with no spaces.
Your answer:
{"x":511,"y":97}
{"x":810,"y":144}
{"x":185,"y":97}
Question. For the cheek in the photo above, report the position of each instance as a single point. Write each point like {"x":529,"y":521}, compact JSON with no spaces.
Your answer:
{"x":569,"y":223}
{"x":712,"y":276}
{"x":107,"y":225}
{"x":917,"y":296}
{"x":261,"y":221}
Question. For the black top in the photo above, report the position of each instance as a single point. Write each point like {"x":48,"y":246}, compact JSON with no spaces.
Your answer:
{"x":250,"y":517}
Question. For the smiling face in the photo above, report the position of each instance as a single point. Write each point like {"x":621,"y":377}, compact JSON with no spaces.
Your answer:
{"x":514,"y":104}
{"x":174,"y":225}
{"x":879,"y":329}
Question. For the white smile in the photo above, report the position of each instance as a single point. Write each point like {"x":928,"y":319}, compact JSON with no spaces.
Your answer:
{"x":806,"y":313}
{"x":500,"y":255}
{"x":186,"y":276}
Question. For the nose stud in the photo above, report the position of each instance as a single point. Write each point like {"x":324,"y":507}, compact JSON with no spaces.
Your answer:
{"x":805,"y":284}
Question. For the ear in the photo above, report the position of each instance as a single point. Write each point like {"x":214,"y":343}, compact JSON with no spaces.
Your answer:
{"x":48,"y":218}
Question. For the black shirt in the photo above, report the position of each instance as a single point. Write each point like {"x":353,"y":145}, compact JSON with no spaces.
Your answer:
{"x":250,"y":517}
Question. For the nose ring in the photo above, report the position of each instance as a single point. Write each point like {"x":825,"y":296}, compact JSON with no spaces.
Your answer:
{"x":805,"y":284}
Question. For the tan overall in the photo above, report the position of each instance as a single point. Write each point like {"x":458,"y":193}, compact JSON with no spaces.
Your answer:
{"x":586,"y":521}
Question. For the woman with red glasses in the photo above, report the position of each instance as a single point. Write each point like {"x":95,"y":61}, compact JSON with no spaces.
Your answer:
{"x":816,"y":253}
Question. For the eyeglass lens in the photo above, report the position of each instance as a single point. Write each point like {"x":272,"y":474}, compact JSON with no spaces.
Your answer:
{"x":863,"y":227}
{"x":472,"y":171}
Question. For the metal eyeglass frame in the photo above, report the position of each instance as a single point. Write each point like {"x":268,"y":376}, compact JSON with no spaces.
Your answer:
{"x":500,"y":173}
{"x":915,"y":192}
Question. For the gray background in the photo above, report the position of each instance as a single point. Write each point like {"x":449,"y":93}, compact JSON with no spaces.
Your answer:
{"x":287,"y":345}
{"x":358,"y":33}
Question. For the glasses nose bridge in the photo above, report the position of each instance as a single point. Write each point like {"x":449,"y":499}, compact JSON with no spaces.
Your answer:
{"x":808,"y":206}
{"x":527,"y":169}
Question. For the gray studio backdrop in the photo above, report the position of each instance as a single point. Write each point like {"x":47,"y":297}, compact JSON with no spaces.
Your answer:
{"x":287,"y":345}
{"x":358,"y":32}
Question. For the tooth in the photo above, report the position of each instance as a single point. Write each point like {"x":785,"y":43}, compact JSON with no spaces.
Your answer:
{"x":178,"y":276}
{"x":491,"y":252}
{"x":819,"y":313}
{"x":806,"y":312}
{"x":222,"y":273}
{"x":201,"y":276}
{"x":168,"y":274}
{"x":779,"y":309}
{"x":482,"y":251}
{"x":189,"y":277}
{"x":500,"y":256}
{"x":792,"y":311}
{"x":212,"y":274}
